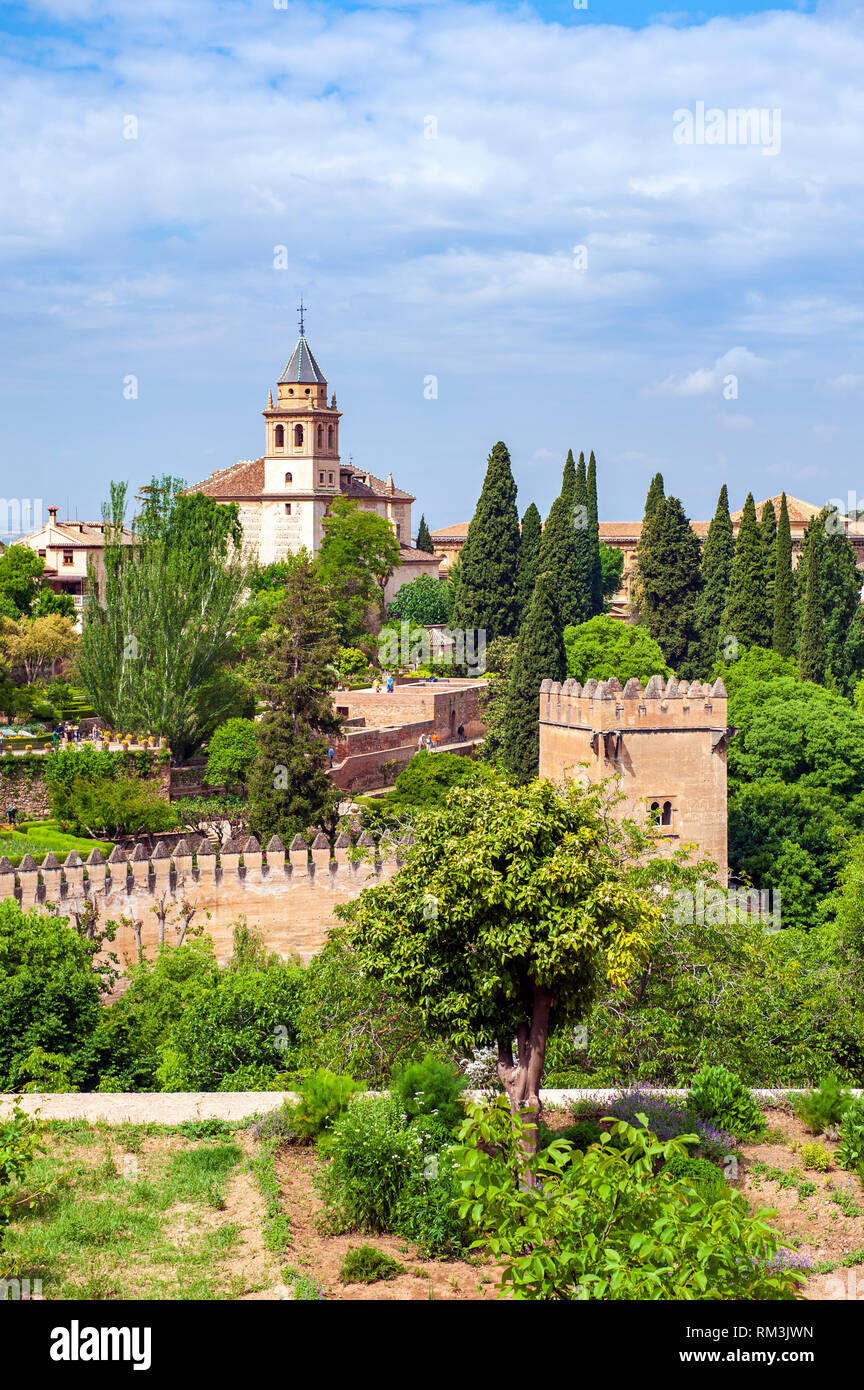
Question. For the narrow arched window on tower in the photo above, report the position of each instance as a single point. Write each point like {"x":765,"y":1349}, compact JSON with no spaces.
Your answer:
{"x":667,"y":813}
{"x":320,"y":436}
{"x":298,"y":436}
{"x":329,"y":436}
{"x":279,"y":436}
{"x":289,"y":477}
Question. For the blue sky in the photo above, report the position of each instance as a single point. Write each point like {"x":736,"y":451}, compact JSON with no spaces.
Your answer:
{"x":432,"y":171}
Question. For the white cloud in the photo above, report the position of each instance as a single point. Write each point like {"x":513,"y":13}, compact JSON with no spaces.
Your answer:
{"x":707,"y":381}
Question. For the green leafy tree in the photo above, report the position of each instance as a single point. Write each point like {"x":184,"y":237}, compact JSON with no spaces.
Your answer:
{"x":232,"y":751}
{"x":746,"y":617}
{"x":500,"y":655}
{"x":783,"y":636}
{"x":841,"y":604}
{"x":539,"y":656}
{"x":49,"y":992}
{"x":47,"y":602}
{"x":424,"y":600}
{"x":20,"y":571}
{"x":604,"y":647}
{"x":358,"y":554}
{"x":485,"y":596}
{"x":811,"y":642}
{"x":529,"y":556}
{"x":424,"y":539}
{"x":160,"y":627}
{"x":289,"y":788}
{"x":529,"y":910}
{"x":612,"y":568}
{"x":716,"y":568}
{"x":36,"y":643}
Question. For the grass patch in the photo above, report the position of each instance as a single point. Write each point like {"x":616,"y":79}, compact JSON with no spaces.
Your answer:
{"x":363,"y":1264}
{"x":134,"y":1221}
{"x":37,"y":837}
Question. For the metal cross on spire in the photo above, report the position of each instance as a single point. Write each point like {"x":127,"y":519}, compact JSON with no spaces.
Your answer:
{"x":302,"y":311}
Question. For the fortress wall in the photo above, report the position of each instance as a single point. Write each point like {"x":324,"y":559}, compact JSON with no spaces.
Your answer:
{"x":290,"y":896}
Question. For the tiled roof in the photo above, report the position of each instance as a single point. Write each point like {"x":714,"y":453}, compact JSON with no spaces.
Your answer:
{"x":410,"y":555}
{"x":244,"y":479}
{"x":800,"y":512}
{"x":74,"y":534}
{"x":302,"y":365}
{"x":458,"y":531}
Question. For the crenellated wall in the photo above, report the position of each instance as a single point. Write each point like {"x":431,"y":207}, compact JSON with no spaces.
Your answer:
{"x":664,"y":746}
{"x":290,"y":895}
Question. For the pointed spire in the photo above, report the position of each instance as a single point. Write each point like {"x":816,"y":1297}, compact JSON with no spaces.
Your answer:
{"x":269,"y":400}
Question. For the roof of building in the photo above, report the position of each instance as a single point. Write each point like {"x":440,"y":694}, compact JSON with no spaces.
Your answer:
{"x":302,"y":365}
{"x":800,"y":512}
{"x":246,"y":479}
{"x":458,"y":531}
{"x":74,"y":534}
{"x":410,"y":555}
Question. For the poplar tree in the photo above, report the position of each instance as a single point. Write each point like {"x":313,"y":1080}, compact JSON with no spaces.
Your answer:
{"x":529,"y":556}
{"x":597,"y":604}
{"x":558,"y":551}
{"x":768,"y":535}
{"x":783,"y":634}
{"x":675,"y":582}
{"x":715,"y":570}
{"x":539,"y":656}
{"x":745,"y":615}
{"x":811,"y":643}
{"x":424,"y":539}
{"x":488,"y":565}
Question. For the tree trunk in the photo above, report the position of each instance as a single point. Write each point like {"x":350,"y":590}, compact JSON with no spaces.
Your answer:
{"x":521,"y":1079}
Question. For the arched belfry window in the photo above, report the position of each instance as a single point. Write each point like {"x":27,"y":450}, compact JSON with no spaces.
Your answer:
{"x":320,"y":436}
{"x":298,"y":436}
{"x":279,"y":436}
{"x":289,"y":477}
{"x":329,"y":436}
{"x":666,"y":818}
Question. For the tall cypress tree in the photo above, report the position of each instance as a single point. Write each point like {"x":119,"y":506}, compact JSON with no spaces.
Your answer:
{"x":558,"y":551}
{"x":489,"y":562}
{"x":840,"y":583}
{"x":745,"y":615}
{"x":529,"y":556}
{"x":645,"y":573}
{"x":424,"y":540}
{"x":539,"y":656}
{"x":597,"y":604}
{"x":715,"y":569}
{"x":582,"y":544}
{"x":811,"y":642}
{"x":783,"y":634}
{"x":768,"y":535}
{"x":670,"y":597}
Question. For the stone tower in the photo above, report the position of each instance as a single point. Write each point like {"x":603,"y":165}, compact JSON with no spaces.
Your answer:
{"x":664,"y":749}
{"x":301,"y":458}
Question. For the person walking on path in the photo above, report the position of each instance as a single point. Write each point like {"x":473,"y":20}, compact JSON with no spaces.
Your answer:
{"x":389,"y":685}
{"x":330,"y":755}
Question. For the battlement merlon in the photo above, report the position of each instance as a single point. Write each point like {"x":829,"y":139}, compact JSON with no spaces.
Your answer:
{"x":603,"y":706}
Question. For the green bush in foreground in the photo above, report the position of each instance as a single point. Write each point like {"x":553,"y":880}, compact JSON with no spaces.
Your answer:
{"x":363,"y":1264}
{"x":370,"y":1161}
{"x":599,"y":1225}
{"x":850,"y":1154}
{"x":815,"y":1156}
{"x":431,"y":1087}
{"x":699,"y":1173}
{"x":823,"y":1107}
{"x":717,"y":1094}
{"x":323,"y":1098}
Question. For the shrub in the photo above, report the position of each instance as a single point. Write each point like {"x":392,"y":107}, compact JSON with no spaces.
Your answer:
{"x":427,"y":1212}
{"x":718,"y":1094}
{"x":363,"y":1264}
{"x":815,"y":1156}
{"x":370,"y":1162}
{"x":323,"y":1098}
{"x":638,"y":1238}
{"x":580,"y":1135}
{"x":431,"y":1087}
{"x":19,"y":1145}
{"x":704,"y":1177}
{"x":669,"y":1119}
{"x":850,"y":1154}
{"x":823,"y":1107}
